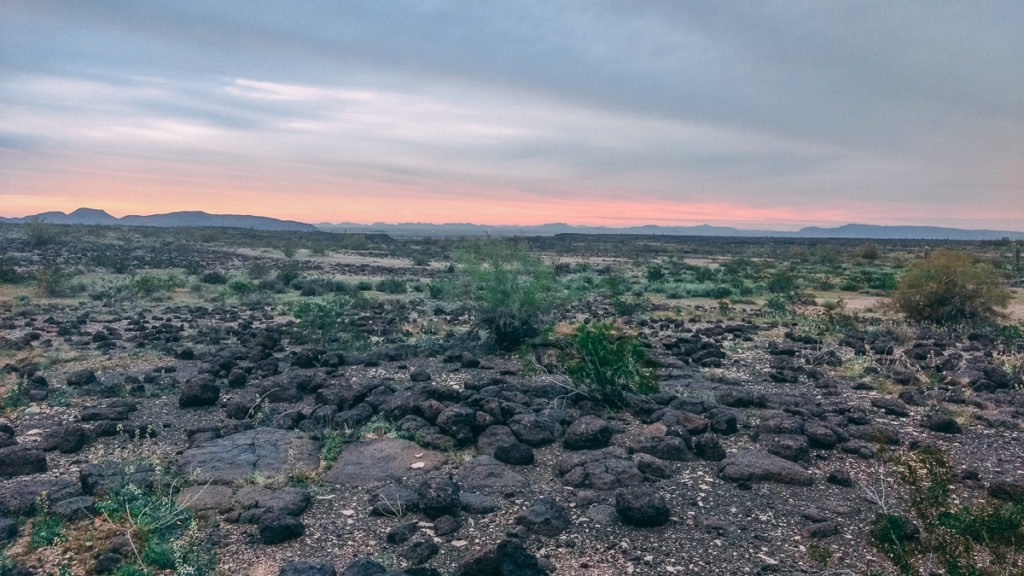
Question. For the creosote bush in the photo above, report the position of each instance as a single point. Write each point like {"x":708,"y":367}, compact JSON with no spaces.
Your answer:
{"x":978,"y":539}
{"x":606,"y":363}
{"x":950,"y":287}
{"x":514,"y":292}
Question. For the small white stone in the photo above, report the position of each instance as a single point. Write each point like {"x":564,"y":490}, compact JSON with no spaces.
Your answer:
{"x":417,"y":465}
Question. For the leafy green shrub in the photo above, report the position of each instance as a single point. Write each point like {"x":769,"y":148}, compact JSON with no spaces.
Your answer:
{"x":514,"y":292}
{"x":606,"y":363}
{"x":241,"y":288}
{"x":330,"y":322}
{"x":47,"y":529}
{"x":980,"y":539}
{"x":16,"y":397}
{"x":40,"y":233}
{"x":950,"y":287}
{"x":149,"y":285}
{"x":392,"y":286}
{"x":58,"y":282}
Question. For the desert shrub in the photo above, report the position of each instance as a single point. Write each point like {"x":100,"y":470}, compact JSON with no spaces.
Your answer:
{"x":979,"y":539}
{"x":152,"y":284}
{"x":606,"y":363}
{"x":330,"y":322}
{"x":392,"y":286}
{"x":654,"y":273}
{"x":8,"y":273}
{"x":215,"y":277}
{"x":40,"y":233}
{"x":241,"y":288}
{"x":47,"y":528}
{"x":16,"y":397}
{"x":58,"y":282}
{"x":514,"y":292}
{"x":420,"y":259}
{"x":950,"y":287}
{"x":287,"y":275}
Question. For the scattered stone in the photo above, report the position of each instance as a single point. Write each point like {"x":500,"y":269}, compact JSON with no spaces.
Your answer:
{"x":21,"y":460}
{"x":533,"y":430}
{"x":943,"y":422}
{"x":276,"y":528}
{"x":588,"y":433}
{"x":439,"y":496}
{"x":485,"y":474}
{"x":545,"y":517}
{"x":420,"y":551}
{"x":641,"y":507}
{"x":301,"y":568}
{"x":517,"y":454}
{"x":755,"y":465}
{"x":364,"y":567}
{"x":199,"y":392}
{"x":605,"y":469}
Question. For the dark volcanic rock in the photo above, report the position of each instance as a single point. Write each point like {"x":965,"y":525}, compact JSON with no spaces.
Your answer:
{"x":641,"y":507}
{"x":267,"y":451}
{"x":300,"y":568}
{"x":278,"y":528}
{"x":198,"y":392}
{"x":709,"y":447}
{"x":402,"y":533}
{"x":754,"y":465}
{"x":545,"y":517}
{"x":20,"y":497}
{"x":382,"y":460}
{"x":941,"y":422}
{"x":364,"y":567}
{"x":588,"y":433}
{"x":20,"y":460}
{"x":533,"y":430}
{"x":605,"y":469}
{"x":439,"y":496}
{"x":8,"y":529}
{"x":517,"y":454}
{"x":420,"y":551}
{"x":81,"y":378}
{"x":669,"y":448}
{"x":485,"y":474}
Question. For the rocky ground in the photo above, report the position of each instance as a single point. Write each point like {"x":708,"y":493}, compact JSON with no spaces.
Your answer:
{"x":759,"y":455}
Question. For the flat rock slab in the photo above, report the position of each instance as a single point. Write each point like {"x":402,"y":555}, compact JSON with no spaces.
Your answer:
{"x":264,"y":451}
{"x":485,"y":474}
{"x":758,"y":466}
{"x":382,"y":460}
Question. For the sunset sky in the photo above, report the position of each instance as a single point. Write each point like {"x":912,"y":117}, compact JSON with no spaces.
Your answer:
{"x":756,"y":114}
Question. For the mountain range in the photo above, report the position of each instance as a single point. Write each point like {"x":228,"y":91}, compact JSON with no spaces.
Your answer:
{"x":845,"y":231}
{"x":90,"y":216}
{"x":93,"y":217}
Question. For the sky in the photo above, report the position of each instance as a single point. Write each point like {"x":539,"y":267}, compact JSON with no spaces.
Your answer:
{"x":758,"y":114}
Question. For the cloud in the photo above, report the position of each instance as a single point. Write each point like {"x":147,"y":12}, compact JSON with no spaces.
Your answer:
{"x":799,"y":104}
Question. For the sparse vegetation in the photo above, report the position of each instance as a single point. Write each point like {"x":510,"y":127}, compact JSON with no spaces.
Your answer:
{"x":951,"y":287}
{"x":606,"y":363}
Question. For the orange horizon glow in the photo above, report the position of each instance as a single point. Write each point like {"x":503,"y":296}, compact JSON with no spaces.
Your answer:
{"x":142,"y":188}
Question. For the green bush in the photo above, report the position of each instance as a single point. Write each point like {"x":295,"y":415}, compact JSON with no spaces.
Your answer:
{"x":58,"y":282}
{"x":607,"y":363}
{"x":980,"y":539}
{"x":950,"y":287}
{"x":514,"y":292}
{"x":392,"y":286}
{"x":330,"y":322}
{"x":40,"y":233}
